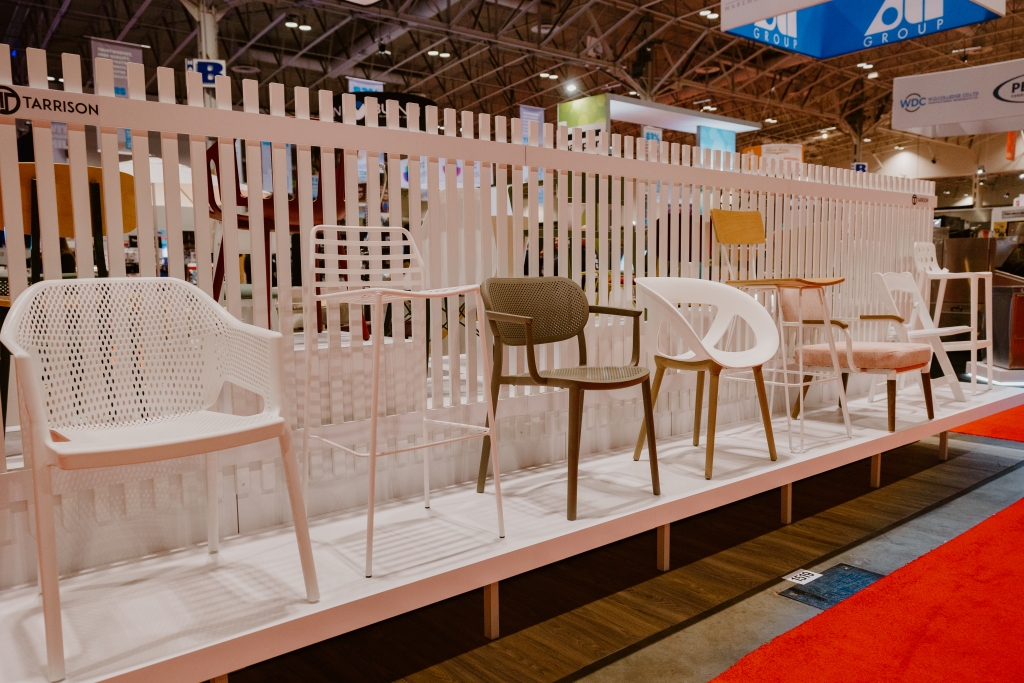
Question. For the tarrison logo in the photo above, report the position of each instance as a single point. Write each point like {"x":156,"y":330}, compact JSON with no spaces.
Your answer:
{"x":913,"y":102}
{"x":780,"y":30}
{"x":895,"y":18}
{"x":10,"y":101}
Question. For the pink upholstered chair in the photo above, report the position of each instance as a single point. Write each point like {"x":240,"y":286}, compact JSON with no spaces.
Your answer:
{"x":890,"y":359}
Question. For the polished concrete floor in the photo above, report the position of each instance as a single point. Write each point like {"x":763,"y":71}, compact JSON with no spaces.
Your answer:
{"x":707,"y":648}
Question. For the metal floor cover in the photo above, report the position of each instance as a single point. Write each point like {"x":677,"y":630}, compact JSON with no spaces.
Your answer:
{"x":835,"y":585}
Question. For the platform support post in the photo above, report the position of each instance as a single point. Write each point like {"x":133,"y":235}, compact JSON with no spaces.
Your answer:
{"x":787,"y":503}
{"x":943,"y":446}
{"x":664,"y":547}
{"x":876,"y":471}
{"x":491,"y":611}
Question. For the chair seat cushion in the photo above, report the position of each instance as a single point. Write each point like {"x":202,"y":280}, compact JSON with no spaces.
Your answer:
{"x":869,"y":355}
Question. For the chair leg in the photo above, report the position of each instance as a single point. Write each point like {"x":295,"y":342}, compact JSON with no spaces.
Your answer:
{"x":575,"y":426}
{"x":698,"y":401}
{"x":890,"y":391}
{"x":485,"y":449}
{"x":846,"y":383}
{"x":658,"y":375}
{"x":652,"y":450}
{"x":926,"y":386}
{"x":291,"y":476}
{"x":212,"y":504}
{"x":712,"y":415}
{"x":766,"y":415}
{"x":46,"y":546}
{"x":802,"y":396}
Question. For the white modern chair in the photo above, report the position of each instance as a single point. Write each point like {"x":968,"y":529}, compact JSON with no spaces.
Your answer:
{"x":918,"y":325}
{"x":928,"y":271}
{"x":670,"y":302}
{"x":369,"y":266}
{"x":119,"y":371}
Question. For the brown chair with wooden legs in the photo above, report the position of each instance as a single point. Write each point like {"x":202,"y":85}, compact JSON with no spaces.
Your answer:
{"x":669,"y":301}
{"x":544,"y":310}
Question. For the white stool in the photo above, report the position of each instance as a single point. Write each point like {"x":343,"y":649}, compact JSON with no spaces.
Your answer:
{"x":928,"y":271}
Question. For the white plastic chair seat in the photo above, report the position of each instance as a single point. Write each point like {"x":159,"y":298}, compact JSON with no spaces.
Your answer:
{"x":173,"y":436}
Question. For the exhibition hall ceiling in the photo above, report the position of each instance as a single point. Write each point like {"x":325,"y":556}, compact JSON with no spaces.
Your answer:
{"x":672,"y":52}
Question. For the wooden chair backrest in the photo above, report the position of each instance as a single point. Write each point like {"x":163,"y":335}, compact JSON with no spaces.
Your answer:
{"x":737,"y":227}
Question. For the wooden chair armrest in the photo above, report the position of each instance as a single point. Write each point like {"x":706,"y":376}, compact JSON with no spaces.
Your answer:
{"x":527,"y":322}
{"x":882,"y":316}
{"x":838,"y":323}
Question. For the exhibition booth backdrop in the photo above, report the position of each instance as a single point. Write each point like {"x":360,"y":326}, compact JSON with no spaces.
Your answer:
{"x":613,"y":208}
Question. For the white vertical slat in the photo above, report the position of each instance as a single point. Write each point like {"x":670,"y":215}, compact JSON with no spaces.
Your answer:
{"x":258,"y":256}
{"x":412,"y":120}
{"x":46,"y":187}
{"x":590,"y":224}
{"x":501,"y":190}
{"x":78,"y":168}
{"x":470,"y":258}
{"x":145,"y":231}
{"x":10,"y":183}
{"x":629,"y":235}
{"x":371,"y":120}
{"x":601,"y":222}
{"x":436,"y":247}
{"x":532,"y":207}
{"x":336,"y":371}
{"x":662,"y":208}
{"x":228,"y":201}
{"x":516,"y":184}
{"x":484,"y":227}
{"x":202,"y":223}
{"x":618,"y":286}
{"x":282,"y":233}
{"x":452,"y":262}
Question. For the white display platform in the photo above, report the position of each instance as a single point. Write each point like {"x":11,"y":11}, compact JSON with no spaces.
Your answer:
{"x":1000,"y":375}
{"x":185,"y":616}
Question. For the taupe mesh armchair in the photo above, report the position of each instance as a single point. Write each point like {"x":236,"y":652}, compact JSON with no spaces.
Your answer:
{"x":542,"y":310}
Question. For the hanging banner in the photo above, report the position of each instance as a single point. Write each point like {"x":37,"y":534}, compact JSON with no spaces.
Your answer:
{"x":971,"y":101}
{"x":364,"y":85}
{"x":527,"y":114}
{"x":840,"y":27}
{"x":778,"y":151}
{"x":121,"y":54}
{"x":736,"y":13}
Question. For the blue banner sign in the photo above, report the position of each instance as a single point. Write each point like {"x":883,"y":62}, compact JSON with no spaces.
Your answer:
{"x":840,"y":27}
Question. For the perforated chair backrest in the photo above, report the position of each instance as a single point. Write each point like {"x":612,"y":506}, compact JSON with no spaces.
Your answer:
{"x":115,"y":351}
{"x":344,"y":258}
{"x":925,"y":260}
{"x":666,"y":297}
{"x":558,"y":306}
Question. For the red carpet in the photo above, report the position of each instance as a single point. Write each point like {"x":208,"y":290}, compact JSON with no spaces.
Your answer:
{"x":1008,"y":424}
{"x":952,"y":615}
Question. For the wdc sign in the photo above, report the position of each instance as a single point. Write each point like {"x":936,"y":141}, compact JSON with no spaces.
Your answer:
{"x":843,"y":26}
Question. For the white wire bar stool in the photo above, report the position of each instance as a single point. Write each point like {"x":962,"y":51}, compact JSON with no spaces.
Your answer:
{"x":122,"y":371}
{"x":378,"y":267}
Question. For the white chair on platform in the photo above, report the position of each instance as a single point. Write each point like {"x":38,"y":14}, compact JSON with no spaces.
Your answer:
{"x":928,"y":271}
{"x":919,"y":326}
{"x":122,"y":371}
{"x":669,"y":302}
{"x":376,"y":267}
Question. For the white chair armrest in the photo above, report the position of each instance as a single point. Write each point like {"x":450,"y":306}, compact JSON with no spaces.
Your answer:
{"x":254,"y":360}
{"x":938,"y":332}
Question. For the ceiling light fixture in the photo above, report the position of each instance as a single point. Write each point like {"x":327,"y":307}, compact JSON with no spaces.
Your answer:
{"x":292,"y":22}
{"x":571,"y":87}
{"x":433,"y":53}
{"x":981,"y":170}
{"x":305,"y":27}
{"x":824,"y":136}
{"x":900,"y":147}
{"x":553,"y":77}
{"x":445,"y":55}
{"x":633,"y":92}
{"x":873,"y":74}
{"x":865,"y":65}
{"x":867,"y":139}
{"x":946,"y":192}
{"x":771,"y":120}
{"x":713,"y":15}
{"x":382,"y":49}
{"x":51,"y":78}
{"x":705,"y":12}
{"x":708,"y":107}
{"x":545,"y":74}
{"x":1021,"y":176}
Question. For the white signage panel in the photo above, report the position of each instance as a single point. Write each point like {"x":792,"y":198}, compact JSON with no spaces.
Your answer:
{"x":736,"y":13}
{"x":971,"y":101}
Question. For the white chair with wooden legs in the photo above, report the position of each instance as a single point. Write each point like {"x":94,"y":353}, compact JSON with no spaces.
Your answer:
{"x":120,"y":371}
{"x":919,"y":326}
{"x":928,"y":271}
{"x":376,"y":267}
{"x":668,"y":302}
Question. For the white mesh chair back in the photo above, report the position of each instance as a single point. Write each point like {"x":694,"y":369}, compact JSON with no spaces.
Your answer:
{"x":925,"y":260}
{"x":111,"y":352}
{"x":343,"y":258}
{"x":668,"y":298}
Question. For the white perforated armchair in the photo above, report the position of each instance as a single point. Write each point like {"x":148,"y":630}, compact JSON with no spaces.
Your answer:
{"x":122,"y":371}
